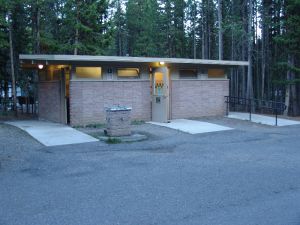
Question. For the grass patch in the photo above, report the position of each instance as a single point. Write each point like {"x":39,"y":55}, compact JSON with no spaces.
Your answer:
{"x":96,"y":134}
{"x":113,"y":141}
{"x":137,"y":122}
{"x":92,"y":125}
{"x":95,"y":125}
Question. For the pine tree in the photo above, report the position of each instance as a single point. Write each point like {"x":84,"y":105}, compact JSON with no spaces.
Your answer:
{"x":191,"y":21}
{"x":142,"y":20}
{"x":85,"y":27}
{"x":290,"y":39}
{"x":120,"y":34}
{"x":4,"y":50}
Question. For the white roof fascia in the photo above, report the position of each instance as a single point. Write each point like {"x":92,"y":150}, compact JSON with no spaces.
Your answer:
{"x":88,"y":58}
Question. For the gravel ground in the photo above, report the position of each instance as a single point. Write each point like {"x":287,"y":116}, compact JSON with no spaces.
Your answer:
{"x":249,"y":175}
{"x":15,"y":146}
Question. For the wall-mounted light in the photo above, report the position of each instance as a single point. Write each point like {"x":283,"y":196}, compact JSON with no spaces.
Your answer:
{"x":40,"y":66}
{"x":161,"y":63}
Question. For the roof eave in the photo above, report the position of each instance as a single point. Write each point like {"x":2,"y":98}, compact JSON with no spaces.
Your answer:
{"x":125,"y":59}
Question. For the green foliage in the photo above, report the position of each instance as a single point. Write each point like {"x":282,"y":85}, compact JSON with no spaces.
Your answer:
{"x":289,"y":41}
{"x":3,"y":25}
{"x":172,"y":34}
{"x":162,"y":28}
{"x":142,"y":19}
{"x":287,"y":82}
{"x":290,"y":38}
{"x":89,"y":19}
{"x":285,"y":66}
{"x":113,"y":141}
{"x":95,"y":125}
{"x":137,"y":122}
{"x":119,"y":29}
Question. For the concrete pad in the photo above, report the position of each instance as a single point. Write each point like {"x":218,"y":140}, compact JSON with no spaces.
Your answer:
{"x":192,"y":126}
{"x":267,"y":120}
{"x":52,"y":134}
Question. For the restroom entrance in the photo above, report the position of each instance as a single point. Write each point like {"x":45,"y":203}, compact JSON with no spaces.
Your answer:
{"x":160,"y":94}
{"x":65,"y":95}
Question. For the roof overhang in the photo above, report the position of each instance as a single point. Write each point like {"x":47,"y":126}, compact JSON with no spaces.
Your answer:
{"x":74,"y":59}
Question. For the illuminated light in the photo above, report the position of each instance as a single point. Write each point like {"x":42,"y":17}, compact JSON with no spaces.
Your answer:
{"x":161,"y":63}
{"x":40,"y":66}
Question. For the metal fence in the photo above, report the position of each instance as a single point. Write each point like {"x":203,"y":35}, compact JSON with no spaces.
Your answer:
{"x":6,"y":104}
{"x":26,"y":105}
{"x":252,"y":105}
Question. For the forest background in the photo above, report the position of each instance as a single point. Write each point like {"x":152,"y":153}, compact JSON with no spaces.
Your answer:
{"x":264,"y":32}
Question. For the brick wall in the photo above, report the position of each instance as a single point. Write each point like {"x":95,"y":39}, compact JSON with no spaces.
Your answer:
{"x":88,"y":99}
{"x":49,"y":101}
{"x":196,"y":98}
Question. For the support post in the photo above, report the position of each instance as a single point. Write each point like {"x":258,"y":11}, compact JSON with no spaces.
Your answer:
{"x":250,"y":106}
{"x":227,"y":105}
{"x":276,"y":115}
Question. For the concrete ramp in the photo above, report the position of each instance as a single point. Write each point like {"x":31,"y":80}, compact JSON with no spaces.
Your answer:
{"x":267,"y":120}
{"x":192,"y":126}
{"x":52,"y":134}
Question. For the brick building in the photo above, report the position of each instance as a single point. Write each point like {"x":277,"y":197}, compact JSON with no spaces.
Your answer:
{"x":77,"y":89}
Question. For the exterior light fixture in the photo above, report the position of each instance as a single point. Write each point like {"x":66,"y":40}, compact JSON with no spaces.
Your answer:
{"x":40,"y":66}
{"x":161,"y":63}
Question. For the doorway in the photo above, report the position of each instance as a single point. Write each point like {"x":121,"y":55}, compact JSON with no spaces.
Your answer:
{"x":160,"y":94}
{"x":65,"y":95}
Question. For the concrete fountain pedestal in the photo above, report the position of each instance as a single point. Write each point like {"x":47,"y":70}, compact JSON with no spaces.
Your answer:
{"x":118,"y":124}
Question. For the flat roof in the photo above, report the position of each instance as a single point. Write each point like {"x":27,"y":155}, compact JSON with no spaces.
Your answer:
{"x":28,"y":58}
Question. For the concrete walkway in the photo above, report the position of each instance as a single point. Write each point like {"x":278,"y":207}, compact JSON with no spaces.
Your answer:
{"x":192,"y":126}
{"x":52,"y":134}
{"x":267,"y":120}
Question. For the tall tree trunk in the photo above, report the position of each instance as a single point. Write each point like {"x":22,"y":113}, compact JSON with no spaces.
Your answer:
{"x":194,"y":29}
{"x":257,"y":65}
{"x":249,"y":74}
{"x":243,"y":90}
{"x":76,"y":41}
{"x":293,"y":93}
{"x":209,"y":43}
{"x":38,"y":15}
{"x":119,"y":36}
{"x":243,"y":78}
{"x":234,"y":71}
{"x":202,"y":39}
{"x":288,"y":88}
{"x":263,"y":57}
{"x":5,"y":92}
{"x":208,"y":31}
{"x":12,"y":66}
{"x":220,"y":29}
